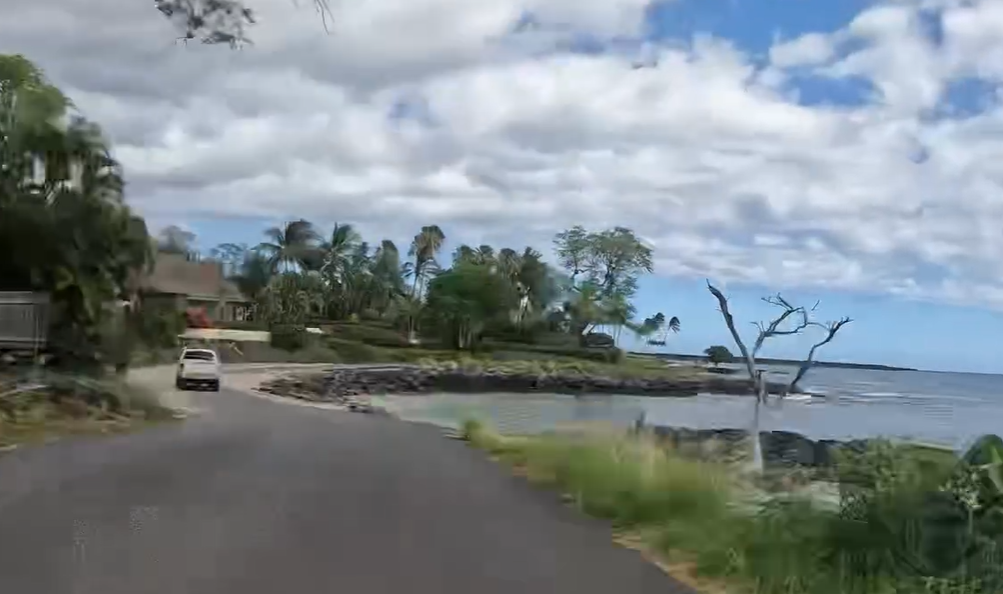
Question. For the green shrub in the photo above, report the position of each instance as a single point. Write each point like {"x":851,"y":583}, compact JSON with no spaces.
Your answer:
{"x":350,"y":351}
{"x":513,"y":351}
{"x":289,"y":337}
{"x":367,"y":333}
{"x":159,"y":326}
{"x":902,"y":527}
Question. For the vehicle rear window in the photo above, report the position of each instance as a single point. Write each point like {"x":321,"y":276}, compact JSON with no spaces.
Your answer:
{"x":200,"y":355}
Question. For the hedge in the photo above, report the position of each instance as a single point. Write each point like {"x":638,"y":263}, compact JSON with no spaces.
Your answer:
{"x":380,"y":336}
{"x":508,"y":350}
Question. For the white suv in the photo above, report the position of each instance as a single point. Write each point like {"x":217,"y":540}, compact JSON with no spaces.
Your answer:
{"x":198,"y":367}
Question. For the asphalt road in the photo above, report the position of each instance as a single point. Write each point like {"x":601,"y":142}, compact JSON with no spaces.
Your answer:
{"x":258,"y":497}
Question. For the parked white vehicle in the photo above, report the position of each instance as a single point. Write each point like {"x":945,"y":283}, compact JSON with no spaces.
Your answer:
{"x":198,"y":367}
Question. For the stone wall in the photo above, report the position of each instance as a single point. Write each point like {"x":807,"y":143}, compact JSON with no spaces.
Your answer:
{"x":413,"y":379}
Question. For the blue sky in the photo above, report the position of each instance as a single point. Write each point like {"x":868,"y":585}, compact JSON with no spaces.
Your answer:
{"x":875,"y":249}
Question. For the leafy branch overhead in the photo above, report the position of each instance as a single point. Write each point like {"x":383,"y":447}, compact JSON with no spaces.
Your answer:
{"x":219,"y":21}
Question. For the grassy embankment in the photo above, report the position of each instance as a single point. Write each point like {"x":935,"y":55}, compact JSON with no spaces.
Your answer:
{"x":689,"y":517}
{"x":373,"y":342}
{"x":71,"y":406}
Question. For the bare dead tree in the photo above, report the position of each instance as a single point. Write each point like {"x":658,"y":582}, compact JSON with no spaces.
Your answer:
{"x":790,"y":321}
{"x":831,"y":328}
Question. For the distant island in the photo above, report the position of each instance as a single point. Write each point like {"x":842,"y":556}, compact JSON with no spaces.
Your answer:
{"x":769,"y":361}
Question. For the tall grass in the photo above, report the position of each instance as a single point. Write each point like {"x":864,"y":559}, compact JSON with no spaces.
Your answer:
{"x":880,"y":540}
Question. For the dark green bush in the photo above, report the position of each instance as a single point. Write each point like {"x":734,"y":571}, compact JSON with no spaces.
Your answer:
{"x":289,"y":337}
{"x":158,"y":327}
{"x":542,"y":351}
{"x":367,"y":333}
{"x":350,"y":351}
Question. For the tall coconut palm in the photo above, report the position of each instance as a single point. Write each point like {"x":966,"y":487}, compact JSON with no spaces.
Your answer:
{"x":335,"y":253}
{"x":616,"y":311}
{"x":388,"y":282}
{"x":253,"y":274}
{"x":291,"y":246}
{"x":424,"y":248}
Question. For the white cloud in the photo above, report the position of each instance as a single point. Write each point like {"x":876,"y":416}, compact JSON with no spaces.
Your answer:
{"x":705,"y":152}
{"x":810,"y":49}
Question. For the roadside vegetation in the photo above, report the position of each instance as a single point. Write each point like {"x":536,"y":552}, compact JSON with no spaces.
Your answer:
{"x":904,"y":521}
{"x":71,"y":405}
{"x":66,"y":231}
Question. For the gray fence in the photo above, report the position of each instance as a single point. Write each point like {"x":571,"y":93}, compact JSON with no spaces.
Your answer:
{"x":24,"y":320}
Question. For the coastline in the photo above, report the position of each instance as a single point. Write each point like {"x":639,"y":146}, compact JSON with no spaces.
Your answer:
{"x":350,"y":382}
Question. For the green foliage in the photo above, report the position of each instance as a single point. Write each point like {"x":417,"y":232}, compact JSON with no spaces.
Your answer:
{"x":906,"y":522}
{"x":159,"y":327}
{"x":350,"y":351}
{"x":290,"y":299}
{"x":368,"y":333}
{"x":86,"y":246}
{"x":289,"y":337}
{"x":612,"y":259}
{"x":462,"y":300}
{"x":718,"y":354}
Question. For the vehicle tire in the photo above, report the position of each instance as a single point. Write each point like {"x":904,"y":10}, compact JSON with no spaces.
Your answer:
{"x":215,"y":386}
{"x":180,"y":384}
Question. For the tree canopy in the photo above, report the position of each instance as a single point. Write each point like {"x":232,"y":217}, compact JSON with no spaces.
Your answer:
{"x":220,"y":21}
{"x":719,"y":354}
{"x":482,"y":291}
{"x":61,"y":193}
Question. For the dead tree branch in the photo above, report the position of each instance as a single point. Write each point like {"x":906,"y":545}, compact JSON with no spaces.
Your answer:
{"x":774,"y":328}
{"x":792,"y":320}
{"x":831,"y":329}
{"x":722,"y":302}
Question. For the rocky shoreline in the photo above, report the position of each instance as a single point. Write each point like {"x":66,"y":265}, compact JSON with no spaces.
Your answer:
{"x":781,"y":449}
{"x":349,"y":382}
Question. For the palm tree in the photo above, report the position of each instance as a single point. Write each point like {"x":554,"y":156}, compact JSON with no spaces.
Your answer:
{"x":253,"y":274}
{"x":290,"y":246}
{"x":388,"y":282}
{"x":424,"y":247}
{"x":336,"y":252}
{"x":616,"y":311}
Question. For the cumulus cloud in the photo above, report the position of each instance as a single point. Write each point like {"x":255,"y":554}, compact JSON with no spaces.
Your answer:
{"x":480,"y":117}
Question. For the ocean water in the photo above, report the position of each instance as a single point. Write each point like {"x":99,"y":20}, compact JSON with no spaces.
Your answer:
{"x":949,"y":409}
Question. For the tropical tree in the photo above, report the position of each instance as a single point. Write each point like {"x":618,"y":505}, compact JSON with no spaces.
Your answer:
{"x":461,"y":301}
{"x":718,"y":354}
{"x":175,"y":240}
{"x":334,"y":254}
{"x":406,"y":313}
{"x":612,"y":259}
{"x":231,"y":256}
{"x":291,"y":246}
{"x":387,"y":282}
{"x":424,"y":248}
{"x":61,"y":194}
{"x":289,"y":300}
{"x":660,"y":327}
{"x":253,"y":274}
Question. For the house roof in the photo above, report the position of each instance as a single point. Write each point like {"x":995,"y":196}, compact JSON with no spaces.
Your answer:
{"x":177,"y":275}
